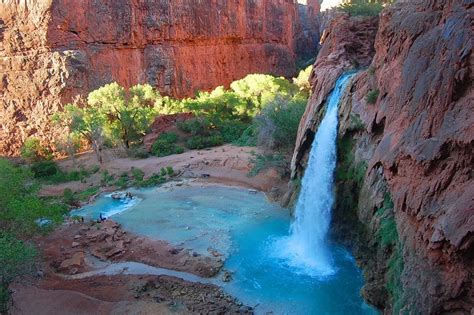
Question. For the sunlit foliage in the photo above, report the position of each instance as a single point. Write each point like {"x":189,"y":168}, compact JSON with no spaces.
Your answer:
{"x":364,"y":7}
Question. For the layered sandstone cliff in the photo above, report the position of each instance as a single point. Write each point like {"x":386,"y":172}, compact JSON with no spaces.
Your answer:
{"x":414,"y":146}
{"x":52,"y":50}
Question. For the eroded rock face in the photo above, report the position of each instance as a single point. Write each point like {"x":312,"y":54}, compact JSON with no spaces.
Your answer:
{"x":347,"y":43}
{"x":51,"y":51}
{"x":417,"y":140}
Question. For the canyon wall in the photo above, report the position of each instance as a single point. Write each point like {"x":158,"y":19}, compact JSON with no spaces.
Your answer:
{"x":52,"y":50}
{"x":406,"y":137}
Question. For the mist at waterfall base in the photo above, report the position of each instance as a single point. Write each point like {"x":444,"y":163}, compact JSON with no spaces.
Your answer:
{"x":306,"y":248}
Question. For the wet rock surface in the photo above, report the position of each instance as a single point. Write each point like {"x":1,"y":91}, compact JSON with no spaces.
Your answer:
{"x":416,"y":140}
{"x":81,"y":247}
{"x":66,"y":249}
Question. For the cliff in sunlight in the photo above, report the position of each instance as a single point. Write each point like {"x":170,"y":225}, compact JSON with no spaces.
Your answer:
{"x":52,"y":50}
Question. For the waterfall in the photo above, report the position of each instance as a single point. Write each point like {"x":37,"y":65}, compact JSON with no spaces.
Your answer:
{"x":306,"y":247}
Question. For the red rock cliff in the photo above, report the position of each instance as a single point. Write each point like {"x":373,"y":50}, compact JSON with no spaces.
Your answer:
{"x":52,"y":50}
{"x":417,"y":141}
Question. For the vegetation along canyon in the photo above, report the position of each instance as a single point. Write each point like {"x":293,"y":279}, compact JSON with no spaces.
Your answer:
{"x":236,"y":157}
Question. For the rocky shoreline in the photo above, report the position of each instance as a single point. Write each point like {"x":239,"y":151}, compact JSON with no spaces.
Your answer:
{"x":77,"y":248}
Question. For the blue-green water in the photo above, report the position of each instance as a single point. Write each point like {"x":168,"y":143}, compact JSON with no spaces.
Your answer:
{"x":247,"y":229}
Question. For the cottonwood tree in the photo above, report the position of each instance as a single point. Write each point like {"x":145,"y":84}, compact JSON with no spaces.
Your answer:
{"x":87,"y":122}
{"x":128,"y":113}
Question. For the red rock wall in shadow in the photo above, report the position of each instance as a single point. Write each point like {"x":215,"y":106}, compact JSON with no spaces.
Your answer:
{"x":52,"y":50}
{"x":418,"y":138}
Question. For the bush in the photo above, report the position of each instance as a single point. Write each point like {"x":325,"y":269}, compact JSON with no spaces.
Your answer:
{"x":121,"y":182}
{"x":169,"y":137}
{"x":137,"y":173}
{"x":169,"y":171}
{"x":262,"y":162}
{"x":165,"y":145}
{"x":49,"y":172}
{"x":31,"y":149}
{"x":387,"y":233}
{"x":44,"y":169}
{"x":201,"y":142}
{"x":162,"y":148}
{"x":372,"y":96}
{"x":278,"y":123}
{"x":106,"y":178}
{"x":86,"y":194}
{"x":362,"y":8}
{"x":163,"y":171}
{"x":138,"y":153}
{"x":248,"y":137}
{"x":153,"y":180}
{"x":196,"y":126}
{"x":231,"y":130}
{"x":302,"y":80}
{"x":394,"y":285}
{"x":68,"y":197}
{"x":16,"y":259}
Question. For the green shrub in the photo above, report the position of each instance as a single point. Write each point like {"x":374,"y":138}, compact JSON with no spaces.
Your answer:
{"x":394,"y":285}
{"x":49,"y":172}
{"x":68,"y":196}
{"x":387,"y":232}
{"x":106,"y":178}
{"x":86,"y":194}
{"x":231,"y":130}
{"x":163,"y":148}
{"x":163,"y":171}
{"x":121,"y":182}
{"x":262,"y":162}
{"x":165,"y":145}
{"x":356,"y":124}
{"x":31,"y":149}
{"x":248,"y":137}
{"x":44,"y":169}
{"x":169,"y":171}
{"x":372,"y":96}
{"x":196,"y":126}
{"x":16,"y":259}
{"x":278,"y":123}
{"x":169,"y":137}
{"x":137,"y":153}
{"x":137,"y":173}
{"x":21,"y":207}
{"x":153,"y":180}
{"x":363,"y":7}
{"x":201,"y":142}
{"x":94,"y":169}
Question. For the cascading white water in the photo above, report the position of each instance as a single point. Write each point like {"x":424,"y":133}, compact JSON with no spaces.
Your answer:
{"x":306,"y":247}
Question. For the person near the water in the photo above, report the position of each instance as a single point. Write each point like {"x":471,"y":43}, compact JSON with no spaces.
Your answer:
{"x":102,"y":218}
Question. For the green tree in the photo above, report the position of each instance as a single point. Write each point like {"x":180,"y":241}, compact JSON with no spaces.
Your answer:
{"x":260,"y":89}
{"x":364,"y":7}
{"x":302,"y":80}
{"x":87,"y":122}
{"x":128,"y":114}
{"x":277,"y":124}
{"x":31,"y":149}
